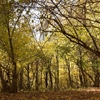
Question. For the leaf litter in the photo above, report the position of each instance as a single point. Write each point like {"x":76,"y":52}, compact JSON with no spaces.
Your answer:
{"x":82,"y":94}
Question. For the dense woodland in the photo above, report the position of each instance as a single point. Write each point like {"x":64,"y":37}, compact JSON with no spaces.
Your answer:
{"x":49,"y":45}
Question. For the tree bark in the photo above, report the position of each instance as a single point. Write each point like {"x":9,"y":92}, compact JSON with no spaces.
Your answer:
{"x":36,"y":81}
{"x":4,"y":83}
{"x":21,"y":80}
{"x":50,"y":75}
{"x":97,"y":79}
{"x":46,"y":79}
{"x":69,"y":74}
{"x":81,"y":70}
{"x":57,"y":70}
{"x":28,"y":77}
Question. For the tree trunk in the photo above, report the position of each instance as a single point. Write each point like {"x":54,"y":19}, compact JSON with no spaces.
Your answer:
{"x":95,"y":68}
{"x":4,"y":83}
{"x":81,"y":78}
{"x":84,"y":83}
{"x":57,"y":72}
{"x":14,"y":87}
{"x":69,"y":75}
{"x":97,"y":79}
{"x":36,"y":81}
{"x":21,"y":80}
{"x":50,"y":75}
{"x":28,"y":78}
{"x":46,"y":79}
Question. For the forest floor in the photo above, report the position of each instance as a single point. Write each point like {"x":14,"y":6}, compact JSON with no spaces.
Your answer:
{"x":82,"y":94}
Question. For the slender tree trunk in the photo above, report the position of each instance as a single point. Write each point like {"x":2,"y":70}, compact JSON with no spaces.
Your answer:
{"x":95,"y":68}
{"x":28,"y":78}
{"x":14,"y":88}
{"x":46,"y":79}
{"x":81,"y":78}
{"x":4,"y":83}
{"x":50,"y":75}
{"x":21,"y":80}
{"x":36,"y":81}
{"x":57,"y":71}
{"x":97,"y":79}
{"x":69,"y":75}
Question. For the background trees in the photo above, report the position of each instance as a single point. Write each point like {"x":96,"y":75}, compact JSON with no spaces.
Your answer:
{"x":49,"y":45}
